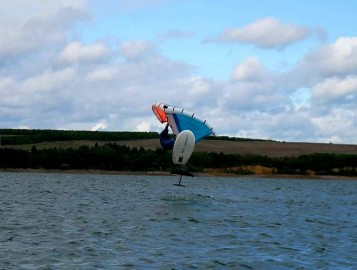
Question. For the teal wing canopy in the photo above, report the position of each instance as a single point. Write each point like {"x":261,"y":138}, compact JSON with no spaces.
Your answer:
{"x":198,"y":128}
{"x":180,"y":119}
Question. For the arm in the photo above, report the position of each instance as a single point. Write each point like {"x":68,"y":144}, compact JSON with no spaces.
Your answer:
{"x":167,"y":126}
{"x":165,"y":132}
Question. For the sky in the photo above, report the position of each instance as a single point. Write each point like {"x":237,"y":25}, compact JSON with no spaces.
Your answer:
{"x":277,"y":69}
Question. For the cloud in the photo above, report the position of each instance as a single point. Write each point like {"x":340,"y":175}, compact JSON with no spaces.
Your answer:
{"x":250,"y":70}
{"x":338,"y":126}
{"x":313,"y":101}
{"x":5,"y":83}
{"x":102,"y":73}
{"x":48,"y":81}
{"x":99,"y":126}
{"x":136,"y":50}
{"x":76,"y":52}
{"x":253,"y":87}
{"x":37,"y":92}
{"x":39,"y":31}
{"x":51,"y":78}
{"x":329,"y":72}
{"x":268,"y":33}
{"x":333,"y":89}
{"x":116,"y":92}
{"x":337,"y":59}
{"x":198,"y":92}
{"x":198,"y":87}
{"x":143,"y":126}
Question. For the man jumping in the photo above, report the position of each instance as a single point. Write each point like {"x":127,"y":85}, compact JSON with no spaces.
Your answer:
{"x":165,"y":140}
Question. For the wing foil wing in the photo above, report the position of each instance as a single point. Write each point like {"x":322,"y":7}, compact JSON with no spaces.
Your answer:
{"x":180,"y":119}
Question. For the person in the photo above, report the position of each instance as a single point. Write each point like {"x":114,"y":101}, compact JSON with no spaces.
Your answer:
{"x":165,"y":140}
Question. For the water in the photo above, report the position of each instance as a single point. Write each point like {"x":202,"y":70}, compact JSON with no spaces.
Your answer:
{"x":69,"y":221}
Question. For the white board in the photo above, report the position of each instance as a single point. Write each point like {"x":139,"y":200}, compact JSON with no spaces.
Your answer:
{"x":183,"y":148}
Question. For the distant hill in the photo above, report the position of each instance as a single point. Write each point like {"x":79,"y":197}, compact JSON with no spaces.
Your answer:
{"x":268,"y":148}
{"x":141,"y":151}
{"x":44,"y":138}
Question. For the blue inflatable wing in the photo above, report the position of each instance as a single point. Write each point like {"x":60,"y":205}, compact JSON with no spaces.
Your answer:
{"x":180,"y":119}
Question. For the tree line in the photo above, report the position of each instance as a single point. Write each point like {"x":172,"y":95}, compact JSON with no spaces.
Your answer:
{"x":115,"y":157}
{"x":31,"y":136}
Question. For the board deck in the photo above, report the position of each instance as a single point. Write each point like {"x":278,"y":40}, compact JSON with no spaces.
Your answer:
{"x":183,"y":148}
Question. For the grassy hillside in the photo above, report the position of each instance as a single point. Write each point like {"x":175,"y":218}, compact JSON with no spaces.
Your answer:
{"x":26,"y":138}
{"x":268,"y":148}
{"x":141,"y":151}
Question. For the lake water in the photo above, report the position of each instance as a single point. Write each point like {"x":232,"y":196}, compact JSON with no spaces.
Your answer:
{"x":83,"y":221}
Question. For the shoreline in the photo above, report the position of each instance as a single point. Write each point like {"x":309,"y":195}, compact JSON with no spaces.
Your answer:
{"x":166,"y":173}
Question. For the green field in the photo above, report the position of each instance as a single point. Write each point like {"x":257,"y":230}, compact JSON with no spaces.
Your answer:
{"x":141,"y":151}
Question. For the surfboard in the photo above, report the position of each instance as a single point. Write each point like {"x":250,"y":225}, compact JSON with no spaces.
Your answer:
{"x":183,"y":147}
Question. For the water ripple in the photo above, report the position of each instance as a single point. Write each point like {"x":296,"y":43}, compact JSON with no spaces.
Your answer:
{"x":59,"y":221}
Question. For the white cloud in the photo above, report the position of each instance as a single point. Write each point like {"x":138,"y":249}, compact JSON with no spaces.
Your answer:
{"x":253,"y":87}
{"x":51,"y":78}
{"x":305,"y":103}
{"x":49,"y":81}
{"x":19,"y":6}
{"x":76,"y":52}
{"x":143,"y":126}
{"x":265,"y":33}
{"x":99,"y":126}
{"x":36,"y":92}
{"x":136,"y":50}
{"x":338,"y":126}
{"x":328,"y":74}
{"x":301,"y":98}
{"x":250,"y":70}
{"x":39,"y":31}
{"x":5,"y":83}
{"x":102,"y":74}
{"x":335,"y":88}
{"x":337,"y":59}
{"x":198,"y":87}
{"x":18,"y":11}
